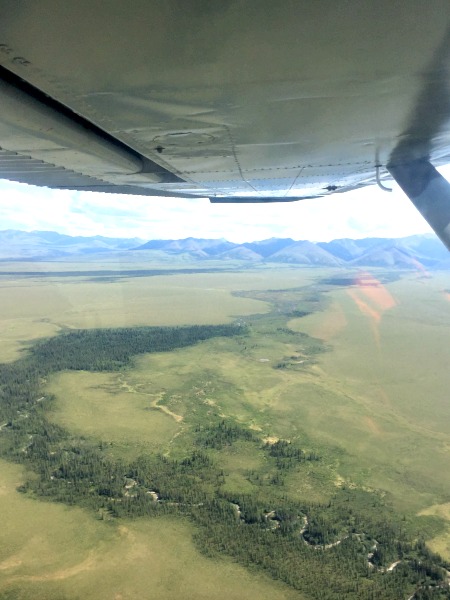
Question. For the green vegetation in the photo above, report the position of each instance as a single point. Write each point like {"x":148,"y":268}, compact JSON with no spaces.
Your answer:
{"x":49,"y":552}
{"x":108,"y":408}
{"x":39,"y":307}
{"x":384,"y":387}
{"x":112,"y":349}
{"x":222,"y":434}
{"x":352,"y":544}
{"x":288,"y":455}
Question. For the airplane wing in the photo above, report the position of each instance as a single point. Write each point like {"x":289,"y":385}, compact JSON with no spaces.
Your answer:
{"x":235,"y":100}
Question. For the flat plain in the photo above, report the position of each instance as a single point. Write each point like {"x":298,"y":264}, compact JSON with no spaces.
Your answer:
{"x":49,"y":551}
{"x":370,"y":397}
{"x":388,"y":371}
{"x":39,"y":306}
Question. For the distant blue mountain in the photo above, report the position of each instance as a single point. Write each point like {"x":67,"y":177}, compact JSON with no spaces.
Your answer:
{"x":403,"y":253}
{"x":47,"y":245}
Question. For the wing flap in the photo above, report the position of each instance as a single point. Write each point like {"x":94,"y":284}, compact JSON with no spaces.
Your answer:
{"x":44,"y":143}
{"x":25,"y":169}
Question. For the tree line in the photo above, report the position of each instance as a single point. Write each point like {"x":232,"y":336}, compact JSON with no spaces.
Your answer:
{"x":264,"y":529}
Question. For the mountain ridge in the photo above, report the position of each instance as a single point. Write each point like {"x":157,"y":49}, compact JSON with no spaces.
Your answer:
{"x":411,"y":252}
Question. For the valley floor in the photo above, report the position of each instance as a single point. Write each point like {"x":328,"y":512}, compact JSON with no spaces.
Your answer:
{"x":325,"y":396}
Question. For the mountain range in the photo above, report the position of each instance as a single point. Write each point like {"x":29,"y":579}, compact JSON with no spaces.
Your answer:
{"x":49,"y":245}
{"x":407,"y":253}
{"x":413,"y":252}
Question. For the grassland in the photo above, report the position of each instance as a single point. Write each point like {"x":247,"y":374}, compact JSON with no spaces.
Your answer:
{"x":36,"y":307}
{"x":108,"y":408}
{"x":374,"y":405}
{"x":48,"y":551}
{"x":389,"y":374}
{"x":365,"y":391}
{"x":378,"y":401}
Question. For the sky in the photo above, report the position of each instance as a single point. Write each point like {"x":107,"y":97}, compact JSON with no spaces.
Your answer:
{"x":368,"y":212}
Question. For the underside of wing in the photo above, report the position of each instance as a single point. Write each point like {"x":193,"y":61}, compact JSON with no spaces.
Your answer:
{"x":238,"y":101}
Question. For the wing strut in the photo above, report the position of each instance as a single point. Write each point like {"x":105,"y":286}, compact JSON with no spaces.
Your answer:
{"x":429,"y":191}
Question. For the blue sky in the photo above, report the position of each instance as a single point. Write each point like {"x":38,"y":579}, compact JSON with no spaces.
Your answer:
{"x":368,"y":212}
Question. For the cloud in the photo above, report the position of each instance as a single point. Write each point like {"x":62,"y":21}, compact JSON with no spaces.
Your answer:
{"x":368,"y":212}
